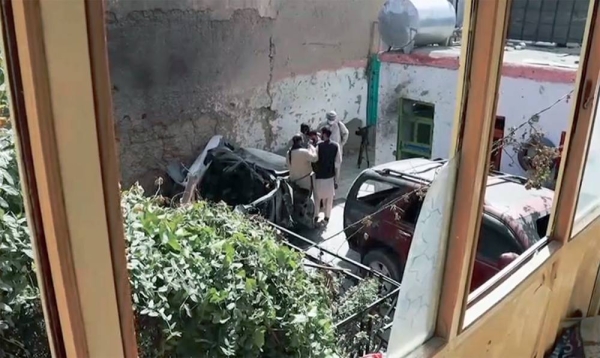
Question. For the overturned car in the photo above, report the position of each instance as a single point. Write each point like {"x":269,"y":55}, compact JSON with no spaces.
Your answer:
{"x":253,"y":181}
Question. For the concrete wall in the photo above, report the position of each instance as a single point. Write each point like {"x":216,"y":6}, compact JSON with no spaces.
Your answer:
{"x":184,"y":70}
{"x":519,"y":99}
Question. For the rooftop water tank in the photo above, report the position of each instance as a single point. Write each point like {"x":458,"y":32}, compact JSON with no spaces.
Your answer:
{"x":459,"y":5}
{"x":404,"y":24}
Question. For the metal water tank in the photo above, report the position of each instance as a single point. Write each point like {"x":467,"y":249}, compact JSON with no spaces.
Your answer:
{"x":407,"y":23}
{"x":459,"y":5}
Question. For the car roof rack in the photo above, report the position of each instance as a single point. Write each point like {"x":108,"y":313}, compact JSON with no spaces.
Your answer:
{"x":403,"y":175}
{"x":508,"y":177}
{"x":496,"y":174}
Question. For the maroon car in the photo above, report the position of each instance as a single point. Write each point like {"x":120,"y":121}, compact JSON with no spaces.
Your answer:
{"x":514,"y":217}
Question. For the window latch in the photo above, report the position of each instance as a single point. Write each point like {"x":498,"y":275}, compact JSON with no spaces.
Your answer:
{"x":588,"y":96}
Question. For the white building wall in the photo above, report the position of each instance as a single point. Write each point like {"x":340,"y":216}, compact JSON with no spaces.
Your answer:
{"x":519,"y":99}
{"x":308,"y":98}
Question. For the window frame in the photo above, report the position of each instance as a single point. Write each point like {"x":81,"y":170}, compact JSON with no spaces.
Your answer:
{"x":479,"y":79}
{"x":416,"y":121}
{"x":569,"y":180}
{"x":63,"y":139}
{"x":481,"y":60}
{"x":576,"y":144}
{"x":591,"y":212}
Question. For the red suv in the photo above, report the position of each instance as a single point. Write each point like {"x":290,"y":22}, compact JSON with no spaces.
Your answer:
{"x":514,"y":217}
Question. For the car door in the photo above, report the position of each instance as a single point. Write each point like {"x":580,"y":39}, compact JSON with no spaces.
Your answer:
{"x":495,"y":239}
{"x":369,"y":212}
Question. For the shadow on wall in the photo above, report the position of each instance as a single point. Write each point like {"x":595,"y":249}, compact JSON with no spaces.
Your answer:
{"x":353,"y":144}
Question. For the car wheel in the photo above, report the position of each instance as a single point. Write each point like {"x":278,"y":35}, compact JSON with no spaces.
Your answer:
{"x":384,"y":262}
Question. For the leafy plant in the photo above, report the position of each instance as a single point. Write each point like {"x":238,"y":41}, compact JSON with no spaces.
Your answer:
{"x":354,"y":338}
{"x":3,"y":93}
{"x":206,"y":281}
{"x":217,"y":284}
{"x":20,"y":311}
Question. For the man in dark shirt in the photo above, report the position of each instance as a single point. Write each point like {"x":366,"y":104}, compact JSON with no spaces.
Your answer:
{"x":326,"y":174}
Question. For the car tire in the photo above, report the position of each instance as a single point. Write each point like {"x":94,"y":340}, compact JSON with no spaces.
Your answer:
{"x":388,"y":263}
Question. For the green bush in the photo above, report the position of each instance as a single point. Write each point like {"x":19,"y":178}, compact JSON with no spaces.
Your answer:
{"x":354,"y":338}
{"x":206,"y":281}
{"x":209,"y":282}
{"x":21,"y":318}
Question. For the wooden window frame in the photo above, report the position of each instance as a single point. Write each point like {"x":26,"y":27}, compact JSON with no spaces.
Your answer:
{"x":589,"y":214}
{"x":71,"y":306}
{"x":467,"y":211}
{"x":452,"y":312}
{"x":569,"y":178}
{"x":578,"y":135}
{"x":481,"y":61}
{"x":59,"y":59}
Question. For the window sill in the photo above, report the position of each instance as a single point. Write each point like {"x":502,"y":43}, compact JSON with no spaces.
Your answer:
{"x":426,"y":350}
{"x":505,"y":273}
{"x":494,"y":297}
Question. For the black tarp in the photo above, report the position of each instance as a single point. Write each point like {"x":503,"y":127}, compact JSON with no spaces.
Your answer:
{"x":246,"y":186}
{"x":231,"y":179}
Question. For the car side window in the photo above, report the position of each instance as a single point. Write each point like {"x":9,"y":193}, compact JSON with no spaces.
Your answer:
{"x":412,"y":210}
{"x":495,"y":240}
{"x":373,"y":192}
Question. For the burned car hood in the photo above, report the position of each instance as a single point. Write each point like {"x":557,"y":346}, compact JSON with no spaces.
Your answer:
{"x":264,"y":159}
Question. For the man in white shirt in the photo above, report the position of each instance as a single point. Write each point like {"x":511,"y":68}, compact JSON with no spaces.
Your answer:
{"x":339,"y":132}
{"x":299,"y":161}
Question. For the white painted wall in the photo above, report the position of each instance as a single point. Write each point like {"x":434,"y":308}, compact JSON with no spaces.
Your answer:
{"x":519,"y":99}
{"x":307,"y":98}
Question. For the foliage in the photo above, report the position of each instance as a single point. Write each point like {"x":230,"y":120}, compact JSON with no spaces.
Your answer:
{"x":354,"y":337}
{"x":3,"y":91}
{"x":19,"y":296}
{"x":540,"y":158}
{"x":217,"y":284}
{"x":206,"y":281}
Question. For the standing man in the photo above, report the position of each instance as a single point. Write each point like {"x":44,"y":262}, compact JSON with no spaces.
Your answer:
{"x":299,"y":161}
{"x":339,"y":132}
{"x":326,"y":174}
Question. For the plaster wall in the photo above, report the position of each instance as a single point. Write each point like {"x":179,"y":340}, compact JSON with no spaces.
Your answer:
{"x":519,"y":99}
{"x":251,"y":70}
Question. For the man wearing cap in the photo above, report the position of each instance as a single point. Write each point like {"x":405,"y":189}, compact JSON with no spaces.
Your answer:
{"x":339,"y":132}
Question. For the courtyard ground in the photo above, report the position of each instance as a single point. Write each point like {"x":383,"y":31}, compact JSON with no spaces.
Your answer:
{"x":332,"y":237}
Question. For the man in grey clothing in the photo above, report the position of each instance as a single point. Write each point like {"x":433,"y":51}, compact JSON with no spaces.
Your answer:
{"x":339,"y":132}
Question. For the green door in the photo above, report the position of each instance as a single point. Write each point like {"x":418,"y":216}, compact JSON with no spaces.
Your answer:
{"x":415,"y":129}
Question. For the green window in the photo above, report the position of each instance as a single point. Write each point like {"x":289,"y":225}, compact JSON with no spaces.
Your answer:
{"x":415,"y":129}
